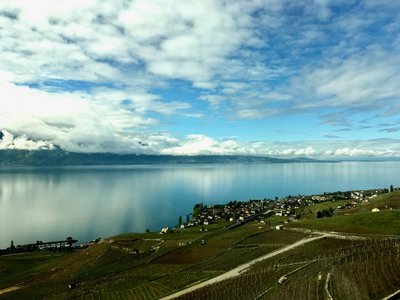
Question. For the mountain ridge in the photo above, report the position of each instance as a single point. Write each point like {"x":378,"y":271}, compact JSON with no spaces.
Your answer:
{"x":63,"y":158}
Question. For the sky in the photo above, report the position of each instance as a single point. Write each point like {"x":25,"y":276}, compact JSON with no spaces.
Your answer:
{"x":280,"y":78}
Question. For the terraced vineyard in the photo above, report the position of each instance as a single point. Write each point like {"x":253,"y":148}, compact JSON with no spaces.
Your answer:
{"x":357,"y":270}
{"x":151,"y":266}
{"x":148,"y":266}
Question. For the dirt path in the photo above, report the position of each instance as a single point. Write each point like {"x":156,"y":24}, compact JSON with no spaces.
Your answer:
{"x":236,"y":271}
{"x":10,"y":289}
{"x":391,"y":296}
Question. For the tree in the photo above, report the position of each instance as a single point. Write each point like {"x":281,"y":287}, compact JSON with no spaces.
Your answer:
{"x":320,"y":214}
{"x":198,"y":208}
{"x":69,"y":241}
{"x":180,"y":221}
{"x":187,"y":218}
{"x":391,"y":188}
{"x":12,"y":247}
{"x":330,"y":212}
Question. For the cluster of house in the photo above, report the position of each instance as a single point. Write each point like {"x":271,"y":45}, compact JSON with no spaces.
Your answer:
{"x":236,"y":211}
{"x":62,"y":245}
{"x":239,"y":212}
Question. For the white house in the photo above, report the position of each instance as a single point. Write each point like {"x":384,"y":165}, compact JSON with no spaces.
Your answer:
{"x":164,"y":230}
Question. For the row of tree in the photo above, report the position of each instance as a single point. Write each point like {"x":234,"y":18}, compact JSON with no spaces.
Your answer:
{"x":325,"y":213}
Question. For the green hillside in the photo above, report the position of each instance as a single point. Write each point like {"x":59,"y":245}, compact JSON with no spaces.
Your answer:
{"x":363,"y":263}
{"x":360,"y":219}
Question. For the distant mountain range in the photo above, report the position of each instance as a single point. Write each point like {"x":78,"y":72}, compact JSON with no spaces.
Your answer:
{"x":63,"y":158}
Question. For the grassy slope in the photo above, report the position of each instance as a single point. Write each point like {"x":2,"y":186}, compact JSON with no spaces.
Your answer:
{"x":24,"y":267}
{"x":357,"y":220}
{"x":110,"y":270}
{"x":359,"y":269}
{"x":387,"y":222}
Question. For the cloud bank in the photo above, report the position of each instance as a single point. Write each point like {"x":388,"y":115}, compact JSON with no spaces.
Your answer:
{"x":159,"y":76}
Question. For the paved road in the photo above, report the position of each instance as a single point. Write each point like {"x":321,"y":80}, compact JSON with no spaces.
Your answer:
{"x":236,"y":271}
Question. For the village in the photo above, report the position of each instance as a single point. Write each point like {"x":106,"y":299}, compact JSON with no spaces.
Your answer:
{"x":69,"y":244}
{"x":237,"y":213}
{"x":241,"y":212}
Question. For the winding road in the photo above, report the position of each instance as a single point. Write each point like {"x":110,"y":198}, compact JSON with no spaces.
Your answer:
{"x":236,"y":271}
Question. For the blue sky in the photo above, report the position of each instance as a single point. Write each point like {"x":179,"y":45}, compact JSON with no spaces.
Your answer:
{"x":315,"y":78}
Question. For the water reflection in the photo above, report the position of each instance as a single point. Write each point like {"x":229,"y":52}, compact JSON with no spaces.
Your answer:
{"x":85,"y":203}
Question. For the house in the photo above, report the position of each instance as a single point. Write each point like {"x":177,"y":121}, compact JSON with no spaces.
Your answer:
{"x":318,"y":198}
{"x":375,"y":209}
{"x":278,"y":213}
{"x":279,"y":227}
{"x":357,"y":195}
{"x":164,"y":230}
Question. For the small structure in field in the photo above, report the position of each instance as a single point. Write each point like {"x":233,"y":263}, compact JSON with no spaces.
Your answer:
{"x":279,"y":227}
{"x":375,"y":209}
{"x":282,"y":279}
{"x":164,"y":230}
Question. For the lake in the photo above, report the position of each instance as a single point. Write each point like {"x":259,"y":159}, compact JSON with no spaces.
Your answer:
{"x":89,"y":202}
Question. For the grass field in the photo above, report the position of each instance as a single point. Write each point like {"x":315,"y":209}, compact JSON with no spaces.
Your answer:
{"x":358,"y":220}
{"x":385,"y":222}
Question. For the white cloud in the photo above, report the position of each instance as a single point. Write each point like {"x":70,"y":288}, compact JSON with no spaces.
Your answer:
{"x":200,"y":144}
{"x":9,"y":141}
{"x":360,"y":81}
{"x":362,"y":152}
{"x":308,"y":151}
{"x":86,"y":75}
{"x":67,"y":120}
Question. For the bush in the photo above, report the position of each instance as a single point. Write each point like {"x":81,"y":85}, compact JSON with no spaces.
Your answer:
{"x":325,"y":213}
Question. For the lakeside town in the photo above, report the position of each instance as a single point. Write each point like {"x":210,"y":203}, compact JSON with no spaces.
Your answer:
{"x":263,"y":239}
{"x":241,"y":212}
{"x":237,"y":213}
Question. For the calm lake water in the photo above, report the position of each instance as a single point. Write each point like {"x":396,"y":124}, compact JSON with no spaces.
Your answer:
{"x":90,"y":202}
